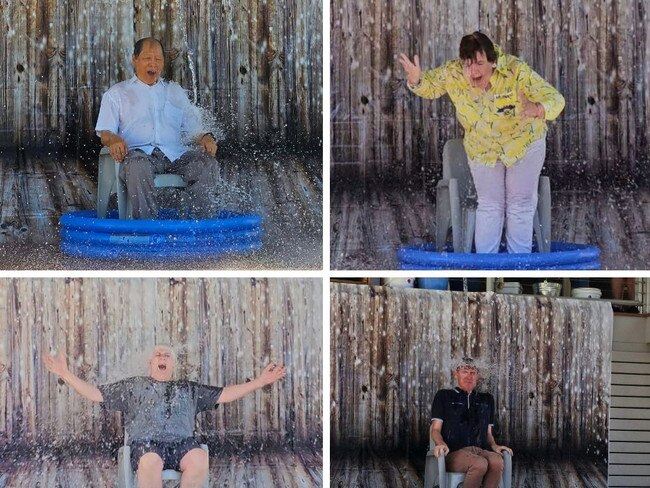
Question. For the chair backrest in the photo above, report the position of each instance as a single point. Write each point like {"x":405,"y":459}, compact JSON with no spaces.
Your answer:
{"x":455,"y":165}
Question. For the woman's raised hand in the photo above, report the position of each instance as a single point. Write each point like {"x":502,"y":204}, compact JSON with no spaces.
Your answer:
{"x":56,"y":364}
{"x":412,"y":69}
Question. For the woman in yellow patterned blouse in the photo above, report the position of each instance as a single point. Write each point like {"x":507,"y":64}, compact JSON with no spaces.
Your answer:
{"x":503,"y":105}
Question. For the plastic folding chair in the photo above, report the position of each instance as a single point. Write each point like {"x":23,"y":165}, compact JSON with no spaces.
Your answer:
{"x":437,"y":476}
{"x":108,"y":183}
{"x":456,"y":203}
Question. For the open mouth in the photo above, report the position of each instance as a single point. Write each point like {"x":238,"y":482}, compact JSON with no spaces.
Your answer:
{"x":162,"y":367}
{"x":151,"y":72}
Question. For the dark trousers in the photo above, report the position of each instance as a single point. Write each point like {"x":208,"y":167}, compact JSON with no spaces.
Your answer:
{"x":197,"y":168}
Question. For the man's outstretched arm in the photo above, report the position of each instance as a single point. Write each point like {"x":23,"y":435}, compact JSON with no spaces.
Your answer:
{"x":493,"y":445}
{"x":59,"y":366}
{"x":270,"y":374}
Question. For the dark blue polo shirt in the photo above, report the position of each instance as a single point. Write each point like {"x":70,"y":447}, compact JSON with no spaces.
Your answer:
{"x":465,"y":418}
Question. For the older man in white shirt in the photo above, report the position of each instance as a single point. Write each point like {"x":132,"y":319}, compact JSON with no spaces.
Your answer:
{"x":147,"y":124}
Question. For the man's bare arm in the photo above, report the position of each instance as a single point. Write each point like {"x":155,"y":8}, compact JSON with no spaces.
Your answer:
{"x":436,"y":435}
{"x":270,"y":374}
{"x":59,"y":366}
{"x":493,"y":445}
{"x":115,"y":144}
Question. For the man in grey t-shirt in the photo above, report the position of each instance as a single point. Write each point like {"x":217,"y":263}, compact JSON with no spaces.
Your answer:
{"x":159,"y":413}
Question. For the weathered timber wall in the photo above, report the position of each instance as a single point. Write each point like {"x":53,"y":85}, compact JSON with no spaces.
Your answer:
{"x":391,"y":350}
{"x":258,"y":65}
{"x":225,"y":332}
{"x":596,"y":53}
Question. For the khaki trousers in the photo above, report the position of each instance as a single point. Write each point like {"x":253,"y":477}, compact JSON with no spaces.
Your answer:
{"x":481,"y":467}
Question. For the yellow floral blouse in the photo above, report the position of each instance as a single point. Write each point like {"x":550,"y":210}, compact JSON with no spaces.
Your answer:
{"x":493,"y":130}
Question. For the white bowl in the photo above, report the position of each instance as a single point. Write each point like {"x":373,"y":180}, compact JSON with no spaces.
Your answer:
{"x":510,"y":288}
{"x":586,"y":293}
{"x":398,"y":282}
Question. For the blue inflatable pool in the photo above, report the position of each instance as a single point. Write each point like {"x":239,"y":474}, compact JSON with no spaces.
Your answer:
{"x":562,"y":256}
{"x":85,"y":235}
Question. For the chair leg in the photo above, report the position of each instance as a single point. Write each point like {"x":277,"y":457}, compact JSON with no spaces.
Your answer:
{"x":456,"y":217}
{"x":443,"y":217}
{"x":122,"y":196}
{"x":468,"y":229}
{"x":431,"y":474}
{"x":105,"y":183}
{"x":544,"y":214}
{"x":125,"y":476}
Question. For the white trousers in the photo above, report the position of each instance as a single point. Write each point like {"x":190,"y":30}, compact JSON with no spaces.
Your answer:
{"x":508,"y":194}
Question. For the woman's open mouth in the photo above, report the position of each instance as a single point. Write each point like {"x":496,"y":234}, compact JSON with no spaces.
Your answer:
{"x":162,"y":367}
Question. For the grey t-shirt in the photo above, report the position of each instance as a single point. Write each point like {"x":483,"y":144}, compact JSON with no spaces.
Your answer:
{"x":159,"y":410}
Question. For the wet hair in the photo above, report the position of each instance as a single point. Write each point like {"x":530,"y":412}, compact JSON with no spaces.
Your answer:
{"x":466,"y":362}
{"x":137,"y":49}
{"x":166,"y":346}
{"x":474,"y":43}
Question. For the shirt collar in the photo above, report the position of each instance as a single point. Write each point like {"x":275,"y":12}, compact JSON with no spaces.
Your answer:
{"x":502,"y":62}
{"x":135,"y":79}
{"x":460,"y":390}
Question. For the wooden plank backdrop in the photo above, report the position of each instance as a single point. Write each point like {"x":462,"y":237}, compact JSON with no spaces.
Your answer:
{"x":548,"y":366}
{"x":224,"y":331}
{"x":255,"y":66}
{"x":594,"y":52}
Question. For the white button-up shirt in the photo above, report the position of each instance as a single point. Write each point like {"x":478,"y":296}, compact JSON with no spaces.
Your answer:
{"x":147,"y":117}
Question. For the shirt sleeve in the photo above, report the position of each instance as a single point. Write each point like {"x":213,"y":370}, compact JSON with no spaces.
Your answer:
{"x":438,"y":406}
{"x":433,"y":83}
{"x":109,"y":114}
{"x":206,"y":397}
{"x":538,"y":90}
{"x":117,"y":396}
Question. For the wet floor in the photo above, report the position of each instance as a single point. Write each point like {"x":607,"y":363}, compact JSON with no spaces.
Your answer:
{"x":371,"y":469}
{"x":260,"y":470}
{"x":367,"y":227}
{"x":284,"y":189}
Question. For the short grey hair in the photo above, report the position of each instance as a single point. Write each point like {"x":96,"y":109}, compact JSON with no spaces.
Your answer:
{"x":467,"y":362}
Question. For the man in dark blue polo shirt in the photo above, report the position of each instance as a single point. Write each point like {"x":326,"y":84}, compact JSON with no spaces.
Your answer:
{"x":461,"y":427}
